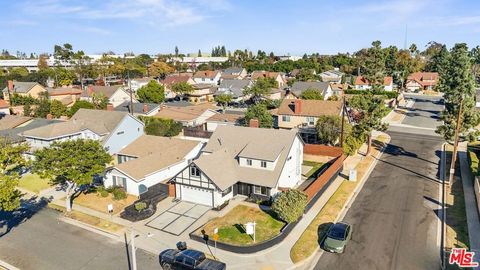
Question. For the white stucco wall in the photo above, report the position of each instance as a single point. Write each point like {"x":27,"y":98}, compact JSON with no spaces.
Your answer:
{"x":125,"y":133}
{"x":40,"y":142}
{"x":291,"y":173}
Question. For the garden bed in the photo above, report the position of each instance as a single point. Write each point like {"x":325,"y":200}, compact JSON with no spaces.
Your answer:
{"x":231,"y":226}
{"x":98,"y":203}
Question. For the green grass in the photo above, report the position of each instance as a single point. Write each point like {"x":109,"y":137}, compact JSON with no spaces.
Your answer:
{"x":33,"y":183}
{"x":315,"y":167}
{"x":231,"y":226}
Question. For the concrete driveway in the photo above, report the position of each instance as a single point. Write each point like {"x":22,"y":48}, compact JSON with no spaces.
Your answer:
{"x":178,"y":218}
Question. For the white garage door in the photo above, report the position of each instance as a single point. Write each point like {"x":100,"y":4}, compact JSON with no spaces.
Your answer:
{"x":197,"y":195}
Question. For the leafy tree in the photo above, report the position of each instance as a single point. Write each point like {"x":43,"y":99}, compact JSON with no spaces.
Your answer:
{"x":153,"y":92}
{"x":162,"y":127}
{"x":80,"y":104}
{"x":351,"y":144}
{"x":73,"y":163}
{"x":457,"y":84}
{"x":20,"y":71}
{"x":27,"y":110}
{"x":260,"y":112}
{"x":43,"y":108}
{"x":306,"y":75}
{"x":223,"y":100}
{"x":160,"y":69}
{"x":437,"y":60}
{"x":370,"y":110}
{"x":260,"y":89}
{"x":290,"y":205}
{"x":328,"y":129}
{"x":375,"y":65}
{"x":11,"y":158}
{"x":199,"y":53}
{"x":57,"y":109}
{"x":100,"y":101}
{"x":391,"y":60}
{"x":311,"y":94}
{"x":182,"y":88}
{"x":42,"y":63}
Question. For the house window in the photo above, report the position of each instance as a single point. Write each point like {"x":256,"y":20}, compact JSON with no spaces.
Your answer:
{"x":260,"y":190}
{"x":194,"y":171}
{"x":311,"y":120}
{"x":226,"y":192}
{"x":114,"y":180}
{"x":120,"y":132}
{"x":286,"y":118}
{"x":249,"y":162}
{"x":263,"y":164}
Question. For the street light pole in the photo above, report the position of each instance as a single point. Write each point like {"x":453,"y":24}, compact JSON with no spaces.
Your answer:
{"x":455,"y":144}
{"x":134,"y":255}
{"x":343,"y":121}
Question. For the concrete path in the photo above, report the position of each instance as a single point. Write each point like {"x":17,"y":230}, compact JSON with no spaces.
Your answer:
{"x":473,"y":218}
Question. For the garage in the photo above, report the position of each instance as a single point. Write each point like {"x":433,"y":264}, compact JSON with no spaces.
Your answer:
{"x":196,"y":195}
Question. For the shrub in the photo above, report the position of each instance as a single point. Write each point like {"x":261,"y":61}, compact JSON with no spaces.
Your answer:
{"x":110,"y":189}
{"x":351,"y":145}
{"x":119,"y":194}
{"x":139,"y":206}
{"x":103,"y":193}
{"x":289,"y":206}
{"x":473,"y":162}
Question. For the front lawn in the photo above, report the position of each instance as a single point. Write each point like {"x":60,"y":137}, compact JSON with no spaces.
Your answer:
{"x":33,"y":183}
{"x":231,"y":226}
{"x":98,"y":203}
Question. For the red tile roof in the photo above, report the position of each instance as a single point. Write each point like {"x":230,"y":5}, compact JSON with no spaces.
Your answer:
{"x":424,"y":78}
{"x":169,"y":80}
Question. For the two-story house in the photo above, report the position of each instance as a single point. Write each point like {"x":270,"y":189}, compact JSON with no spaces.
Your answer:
{"x":114,"y":130}
{"x":361,"y":83}
{"x":304,"y":114}
{"x":150,"y":160}
{"x":207,"y":77}
{"x":235,"y":73}
{"x":251,"y":162}
{"x":32,"y":89}
{"x":422,"y":81}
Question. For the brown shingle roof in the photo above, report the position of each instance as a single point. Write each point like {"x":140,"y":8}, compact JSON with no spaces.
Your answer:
{"x":424,"y":78}
{"x":226,"y":117}
{"x":60,"y":91}
{"x":169,"y":80}
{"x":314,"y":108}
{"x":206,"y":74}
{"x":108,"y":91}
{"x":12,"y":121}
{"x":187,"y":113}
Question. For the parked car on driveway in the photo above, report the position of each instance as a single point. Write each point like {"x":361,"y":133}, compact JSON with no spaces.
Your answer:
{"x":337,"y":237}
{"x":173,"y":259}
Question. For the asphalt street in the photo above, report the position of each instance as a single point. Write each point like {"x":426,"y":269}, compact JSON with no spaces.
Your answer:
{"x":394,"y":217}
{"x":42,"y":241}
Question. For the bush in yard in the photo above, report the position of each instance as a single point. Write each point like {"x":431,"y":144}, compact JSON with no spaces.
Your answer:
{"x":103,"y":193}
{"x":473,"y":162}
{"x":140,"y":206}
{"x":290,"y":205}
{"x":119,"y":194}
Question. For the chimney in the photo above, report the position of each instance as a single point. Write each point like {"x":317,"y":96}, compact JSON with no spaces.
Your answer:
{"x":49,"y":116}
{"x":10,"y":86}
{"x":90,"y":90}
{"x":145,"y":108}
{"x":297,"y":106}
{"x":109,"y":107}
{"x":254,"y":123}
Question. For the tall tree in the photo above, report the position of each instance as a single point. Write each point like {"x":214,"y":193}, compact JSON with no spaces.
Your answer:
{"x":375,"y":65}
{"x":73,"y":163}
{"x":457,"y":84}
{"x":11,"y":158}
{"x":328,"y":129}
{"x":160,"y":69}
{"x":437,"y":59}
{"x":182,"y":88}
{"x":153,"y":92}
{"x":199,"y":53}
{"x":42,"y":62}
{"x":176,"y":51}
{"x":260,"y":112}
{"x":223,"y":100}
{"x":260,"y":89}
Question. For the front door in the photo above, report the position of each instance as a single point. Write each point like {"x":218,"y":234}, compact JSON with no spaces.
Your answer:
{"x":243,"y":189}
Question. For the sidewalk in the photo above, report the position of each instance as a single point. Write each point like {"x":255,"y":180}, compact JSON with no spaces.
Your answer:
{"x":473,"y":218}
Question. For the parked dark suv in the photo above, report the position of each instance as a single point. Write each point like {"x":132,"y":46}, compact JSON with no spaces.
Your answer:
{"x":173,"y":259}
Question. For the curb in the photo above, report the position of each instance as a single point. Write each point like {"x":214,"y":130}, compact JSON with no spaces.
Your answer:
{"x":91,"y":228}
{"x":7,"y":266}
{"x":319,"y":252}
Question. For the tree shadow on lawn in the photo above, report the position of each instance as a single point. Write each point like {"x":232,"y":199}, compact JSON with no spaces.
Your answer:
{"x":28,"y":208}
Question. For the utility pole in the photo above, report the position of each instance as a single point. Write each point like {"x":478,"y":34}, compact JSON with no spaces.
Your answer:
{"x":343,"y":121}
{"x":455,"y":144}
{"x":134,"y":255}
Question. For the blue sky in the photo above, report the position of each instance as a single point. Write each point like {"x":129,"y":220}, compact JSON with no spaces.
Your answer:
{"x":294,"y":27}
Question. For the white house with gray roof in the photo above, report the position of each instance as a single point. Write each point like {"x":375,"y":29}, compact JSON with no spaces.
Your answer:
{"x":253,"y":162}
{"x":234,"y":88}
{"x":332,"y":76}
{"x":114,"y":130}
{"x":299,"y":87}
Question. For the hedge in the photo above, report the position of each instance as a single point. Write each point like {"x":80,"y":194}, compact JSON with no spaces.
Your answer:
{"x":389,"y":94}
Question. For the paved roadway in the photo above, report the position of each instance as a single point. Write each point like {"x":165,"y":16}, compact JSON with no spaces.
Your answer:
{"x":394,"y":219}
{"x":44,"y":242}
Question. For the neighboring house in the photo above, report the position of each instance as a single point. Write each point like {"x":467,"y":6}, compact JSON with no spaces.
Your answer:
{"x":114,"y":130}
{"x":277,"y":76}
{"x":234,"y":88}
{"x":276,"y":94}
{"x":67,"y":95}
{"x":234,"y":73}
{"x":422,"y":81}
{"x":116,"y":95}
{"x":172,"y":79}
{"x":207,"y":77}
{"x":297,"y":71}
{"x":361,"y":83}
{"x":338,"y":88}
{"x":150,"y":160}
{"x":32,"y":89}
{"x":304,"y":114}
{"x":332,"y":76}
{"x":189,"y":116}
{"x":229,"y":118}
{"x":13,"y":134}
{"x":202,"y":93}
{"x":299,"y":87}
{"x":253,"y":162}
{"x":4,"y":107}
{"x":136,"y":84}
{"x":139,"y":109}
{"x":13,"y":121}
